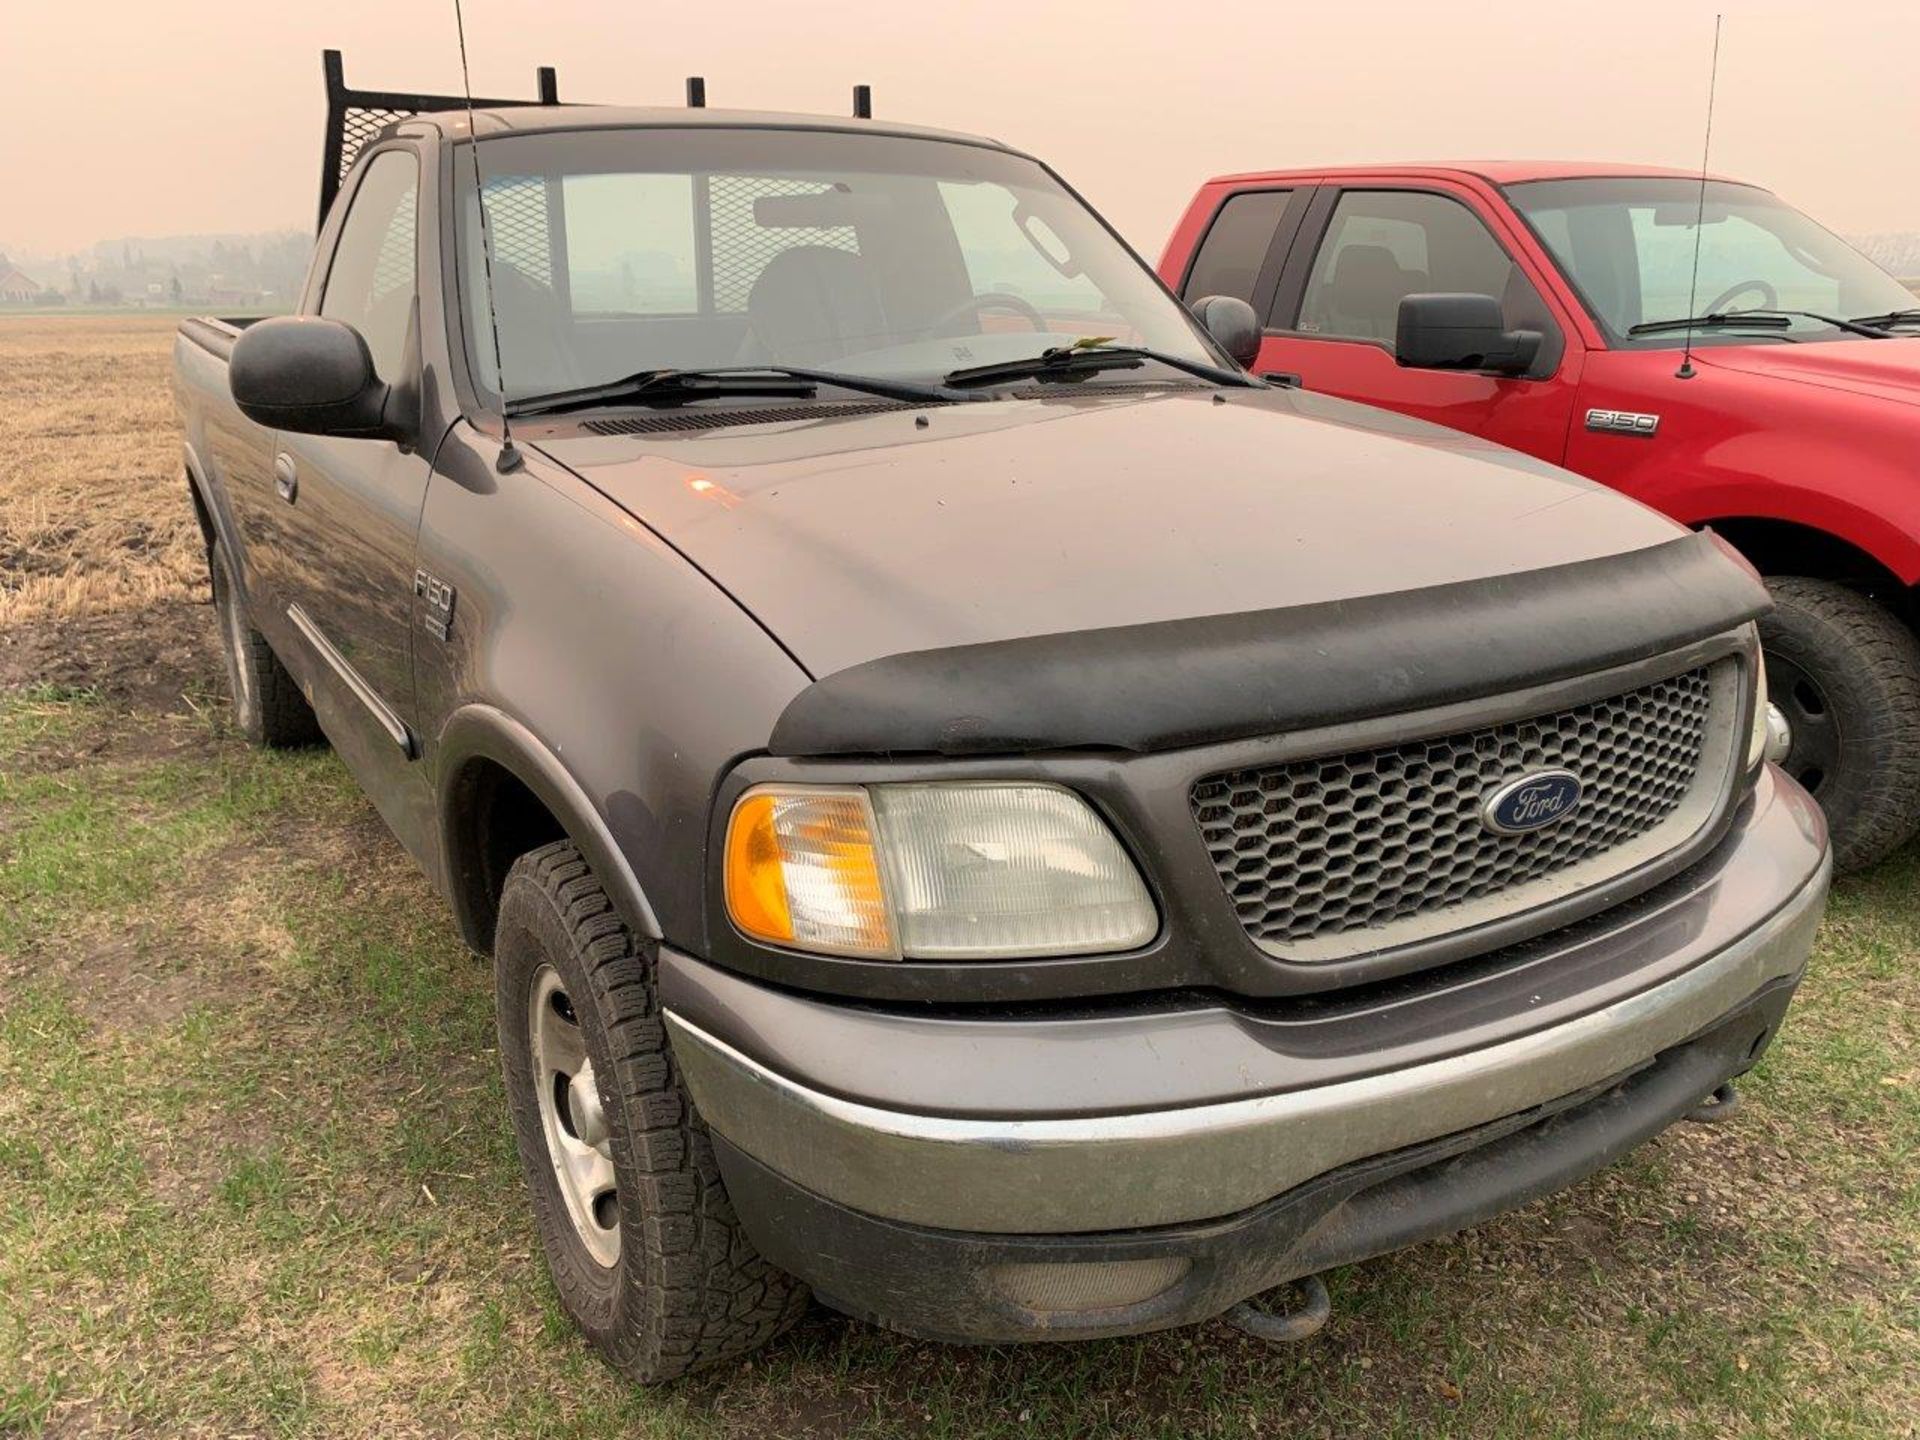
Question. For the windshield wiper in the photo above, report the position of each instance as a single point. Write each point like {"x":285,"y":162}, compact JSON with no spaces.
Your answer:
{"x":677,"y":387}
{"x":1890,"y":319}
{"x":1086,"y":357}
{"x":1757,"y":319}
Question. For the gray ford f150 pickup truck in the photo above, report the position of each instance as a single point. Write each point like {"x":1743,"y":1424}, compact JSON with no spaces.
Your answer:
{"x":979,"y":808}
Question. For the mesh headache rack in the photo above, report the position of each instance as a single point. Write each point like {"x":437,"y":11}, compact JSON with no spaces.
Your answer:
{"x":355,"y":118}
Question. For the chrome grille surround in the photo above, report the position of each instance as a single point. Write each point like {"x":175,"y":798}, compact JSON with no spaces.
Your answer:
{"x":1332,"y":856}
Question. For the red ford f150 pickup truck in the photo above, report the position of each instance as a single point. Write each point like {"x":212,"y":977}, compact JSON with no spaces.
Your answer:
{"x":1546,"y":307}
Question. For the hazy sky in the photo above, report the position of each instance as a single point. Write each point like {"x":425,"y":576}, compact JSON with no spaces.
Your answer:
{"x":136,"y":117}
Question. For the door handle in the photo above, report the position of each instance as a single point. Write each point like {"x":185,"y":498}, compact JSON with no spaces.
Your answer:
{"x":1285,"y":379}
{"x":286,"y":479}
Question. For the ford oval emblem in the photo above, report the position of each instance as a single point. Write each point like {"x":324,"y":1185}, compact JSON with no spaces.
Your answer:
{"x":1531,"y":802}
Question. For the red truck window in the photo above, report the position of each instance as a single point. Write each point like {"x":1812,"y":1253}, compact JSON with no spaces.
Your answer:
{"x":1234,"y":252}
{"x":1384,"y":245}
{"x":1627,"y":245}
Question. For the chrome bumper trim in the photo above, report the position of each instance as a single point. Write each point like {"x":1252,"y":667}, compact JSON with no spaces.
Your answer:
{"x":1171,"y":1166}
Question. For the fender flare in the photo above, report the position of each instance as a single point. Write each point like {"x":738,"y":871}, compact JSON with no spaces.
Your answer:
{"x":1860,"y":527}
{"x":478,"y":731}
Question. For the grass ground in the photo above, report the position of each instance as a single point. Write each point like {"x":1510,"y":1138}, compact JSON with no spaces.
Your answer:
{"x":255,"y":1176}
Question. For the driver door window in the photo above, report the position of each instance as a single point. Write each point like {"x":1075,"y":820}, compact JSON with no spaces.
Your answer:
{"x":371,"y":284}
{"x":1379,"y":247}
{"x":1384,"y":245}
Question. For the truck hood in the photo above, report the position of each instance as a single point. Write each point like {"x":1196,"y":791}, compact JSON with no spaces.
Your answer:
{"x":1883,"y":369}
{"x":860,"y":536}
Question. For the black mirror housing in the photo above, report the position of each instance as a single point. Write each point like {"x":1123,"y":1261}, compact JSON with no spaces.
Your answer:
{"x":1232,"y":323}
{"x":1461,"y":332}
{"x":312,"y":376}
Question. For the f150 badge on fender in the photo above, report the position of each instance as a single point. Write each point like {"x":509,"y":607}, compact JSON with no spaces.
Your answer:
{"x":1531,"y":802}
{"x":437,"y":617}
{"x":1622,"y":422}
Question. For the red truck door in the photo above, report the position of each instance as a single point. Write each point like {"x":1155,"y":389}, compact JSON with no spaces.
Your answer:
{"x":1358,"y":250}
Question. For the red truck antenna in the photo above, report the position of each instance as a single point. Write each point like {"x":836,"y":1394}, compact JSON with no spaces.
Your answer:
{"x":1686,"y":370}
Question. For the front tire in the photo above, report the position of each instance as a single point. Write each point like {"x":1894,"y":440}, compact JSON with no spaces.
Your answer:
{"x":642,"y":1242}
{"x":1845,"y":674}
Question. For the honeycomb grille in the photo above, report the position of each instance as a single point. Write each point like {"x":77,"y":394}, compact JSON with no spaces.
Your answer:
{"x":1349,"y":853}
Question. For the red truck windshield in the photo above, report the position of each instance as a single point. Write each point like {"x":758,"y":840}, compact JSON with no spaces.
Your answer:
{"x":1627,"y":246}
{"x":622,"y":250}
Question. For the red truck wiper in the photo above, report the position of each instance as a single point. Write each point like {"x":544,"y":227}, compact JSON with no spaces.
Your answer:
{"x":1732,"y":319}
{"x":1889,"y":320}
{"x":1758,"y":319}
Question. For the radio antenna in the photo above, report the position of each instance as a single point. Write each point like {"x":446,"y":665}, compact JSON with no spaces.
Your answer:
{"x":1686,"y":370}
{"x":509,"y":458}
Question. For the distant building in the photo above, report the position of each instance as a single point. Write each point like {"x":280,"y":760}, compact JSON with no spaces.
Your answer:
{"x":15,"y":287}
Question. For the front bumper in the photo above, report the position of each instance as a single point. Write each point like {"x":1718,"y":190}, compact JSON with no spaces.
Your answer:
{"x":874,"y":1175}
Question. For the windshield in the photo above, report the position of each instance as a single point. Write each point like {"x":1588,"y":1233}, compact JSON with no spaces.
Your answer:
{"x":1627,"y":247}
{"x":618,"y":251}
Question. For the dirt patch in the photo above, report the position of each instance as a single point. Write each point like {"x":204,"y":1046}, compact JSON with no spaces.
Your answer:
{"x":128,"y":982}
{"x":154,"y":660}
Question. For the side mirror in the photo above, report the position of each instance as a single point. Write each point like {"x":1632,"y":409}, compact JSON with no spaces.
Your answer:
{"x":313,"y":376}
{"x":1231,"y":322}
{"x":1461,"y":332}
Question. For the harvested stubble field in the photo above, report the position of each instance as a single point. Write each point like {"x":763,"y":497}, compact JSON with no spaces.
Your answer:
{"x":255,"y":1176}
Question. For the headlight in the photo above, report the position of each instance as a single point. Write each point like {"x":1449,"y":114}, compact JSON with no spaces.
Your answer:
{"x":1757,"y":738}
{"x":933,"y":872}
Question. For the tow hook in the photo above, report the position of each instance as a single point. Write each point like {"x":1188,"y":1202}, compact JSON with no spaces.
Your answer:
{"x":1286,"y":1327}
{"x":1719,"y":1107}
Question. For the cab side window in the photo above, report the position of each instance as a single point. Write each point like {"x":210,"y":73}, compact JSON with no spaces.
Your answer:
{"x":371,"y":283}
{"x":1384,"y":245}
{"x":1235,"y":247}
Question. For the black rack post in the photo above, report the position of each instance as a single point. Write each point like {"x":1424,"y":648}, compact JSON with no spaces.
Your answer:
{"x":696,"y":92}
{"x":334,"y":68}
{"x":863,"y":102}
{"x":356,"y":117}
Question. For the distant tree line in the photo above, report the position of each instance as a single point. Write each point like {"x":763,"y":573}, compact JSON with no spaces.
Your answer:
{"x":255,"y":272}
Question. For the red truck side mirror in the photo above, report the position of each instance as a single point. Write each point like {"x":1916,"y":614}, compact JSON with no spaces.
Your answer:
{"x":315,"y":377}
{"x":1461,"y":332}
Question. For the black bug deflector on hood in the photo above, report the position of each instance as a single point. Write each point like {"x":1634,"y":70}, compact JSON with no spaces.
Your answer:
{"x":1174,"y":683}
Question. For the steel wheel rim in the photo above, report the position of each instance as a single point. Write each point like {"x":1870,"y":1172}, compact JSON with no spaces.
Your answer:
{"x":579,"y":1145}
{"x":1813,"y":750}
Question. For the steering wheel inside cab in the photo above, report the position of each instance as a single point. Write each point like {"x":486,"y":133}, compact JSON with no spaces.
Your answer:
{"x":974,"y":305}
{"x":1770,"y":297}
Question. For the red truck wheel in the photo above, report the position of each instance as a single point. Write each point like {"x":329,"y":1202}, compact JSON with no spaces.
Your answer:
{"x":1845,"y":676}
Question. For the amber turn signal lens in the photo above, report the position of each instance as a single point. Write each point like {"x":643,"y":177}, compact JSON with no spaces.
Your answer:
{"x":756,"y":891}
{"x":801,"y":870}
